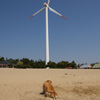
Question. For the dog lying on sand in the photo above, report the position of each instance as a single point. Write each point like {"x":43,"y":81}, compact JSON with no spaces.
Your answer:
{"x":48,"y":90}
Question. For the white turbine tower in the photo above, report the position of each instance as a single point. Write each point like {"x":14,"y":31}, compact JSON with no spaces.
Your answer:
{"x":47,"y":36}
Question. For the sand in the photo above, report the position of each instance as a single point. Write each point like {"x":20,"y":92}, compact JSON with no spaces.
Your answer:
{"x":70,"y":84}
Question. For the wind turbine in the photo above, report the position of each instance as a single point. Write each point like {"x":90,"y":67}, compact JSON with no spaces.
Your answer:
{"x":47,"y":35}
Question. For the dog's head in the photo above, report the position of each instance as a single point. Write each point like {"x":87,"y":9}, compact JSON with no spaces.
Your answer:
{"x":49,"y":81}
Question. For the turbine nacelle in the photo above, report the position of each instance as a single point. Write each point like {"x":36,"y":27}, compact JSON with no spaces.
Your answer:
{"x":45,"y":4}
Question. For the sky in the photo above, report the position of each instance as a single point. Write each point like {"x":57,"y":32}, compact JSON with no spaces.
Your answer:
{"x":77,"y":38}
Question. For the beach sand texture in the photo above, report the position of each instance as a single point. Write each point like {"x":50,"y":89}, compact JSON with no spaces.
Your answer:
{"x":70,"y":84}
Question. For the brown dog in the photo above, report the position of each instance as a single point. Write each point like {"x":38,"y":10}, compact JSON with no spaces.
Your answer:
{"x":48,"y":89}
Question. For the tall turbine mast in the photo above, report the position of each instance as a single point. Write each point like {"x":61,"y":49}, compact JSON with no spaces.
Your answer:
{"x":47,"y":33}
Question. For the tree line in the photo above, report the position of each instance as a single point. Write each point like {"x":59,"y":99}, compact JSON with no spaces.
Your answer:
{"x":26,"y":63}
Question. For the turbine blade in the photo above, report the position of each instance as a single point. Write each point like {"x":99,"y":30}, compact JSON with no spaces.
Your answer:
{"x":37,"y":12}
{"x":57,"y":13}
{"x":48,"y":2}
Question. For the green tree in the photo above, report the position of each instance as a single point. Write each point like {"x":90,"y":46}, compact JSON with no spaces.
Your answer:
{"x":51,"y":64}
{"x":62,"y":64}
{"x":2,"y":59}
{"x":25,"y":61}
{"x":31,"y":63}
{"x":19,"y":64}
{"x":13,"y":61}
{"x":73,"y":65}
{"x":40,"y":64}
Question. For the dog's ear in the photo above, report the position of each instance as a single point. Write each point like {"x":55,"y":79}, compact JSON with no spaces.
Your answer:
{"x":49,"y":81}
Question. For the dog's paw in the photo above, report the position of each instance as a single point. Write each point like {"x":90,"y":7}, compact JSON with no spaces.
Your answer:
{"x":55,"y":98}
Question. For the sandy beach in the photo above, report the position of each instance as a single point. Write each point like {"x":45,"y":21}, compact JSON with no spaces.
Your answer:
{"x":70,"y":84}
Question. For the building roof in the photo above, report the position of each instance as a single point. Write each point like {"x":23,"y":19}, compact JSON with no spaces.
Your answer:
{"x":85,"y":66}
{"x":5,"y":62}
{"x":97,"y":66}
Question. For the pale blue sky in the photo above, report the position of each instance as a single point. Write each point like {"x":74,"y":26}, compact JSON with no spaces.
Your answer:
{"x":77,"y":38}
